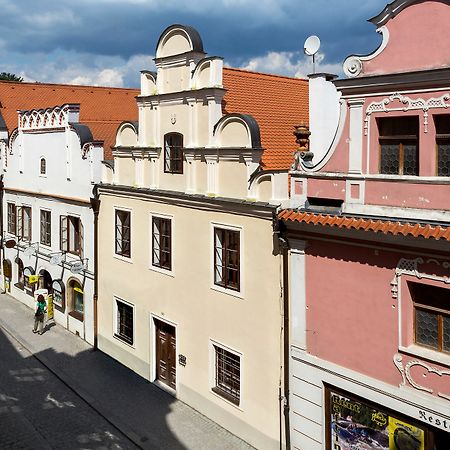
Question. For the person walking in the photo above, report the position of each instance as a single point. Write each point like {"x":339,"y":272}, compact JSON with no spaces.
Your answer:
{"x":41,"y":308}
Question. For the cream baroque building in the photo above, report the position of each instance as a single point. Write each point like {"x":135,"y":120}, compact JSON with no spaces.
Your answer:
{"x":190,"y":288}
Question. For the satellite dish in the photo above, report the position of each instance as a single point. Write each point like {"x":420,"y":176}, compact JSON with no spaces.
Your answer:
{"x":311,"y":46}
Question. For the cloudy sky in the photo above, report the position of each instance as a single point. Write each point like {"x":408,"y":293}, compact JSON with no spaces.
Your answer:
{"x":107,"y":42}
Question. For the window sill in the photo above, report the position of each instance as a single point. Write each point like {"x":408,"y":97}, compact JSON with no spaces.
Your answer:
{"x":163,"y":271}
{"x":123,"y":258}
{"x":430,"y":355}
{"x":19,"y":286}
{"x":76,"y":315}
{"x":226,"y":397}
{"x":123,"y":340}
{"x":237,"y":294}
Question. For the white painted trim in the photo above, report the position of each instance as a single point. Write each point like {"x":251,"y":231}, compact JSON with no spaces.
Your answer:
{"x":115,"y":312}
{"x":212,"y":372}
{"x":170,"y":273}
{"x":241,"y":293}
{"x":348,"y":191}
{"x":355,"y":134}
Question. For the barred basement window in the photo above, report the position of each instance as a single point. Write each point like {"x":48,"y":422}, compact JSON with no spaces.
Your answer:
{"x":226,"y":258}
{"x":173,"y":153}
{"x":227,"y":375}
{"x":431,"y":316}
{"x":46,"y":227}
{"x":123,"y":233}
{"x":442,"y":123}
{"x":399,"y":145}
{"x":162,"y":243}
{"x":124,"y":325}
{"x":12,"y":218}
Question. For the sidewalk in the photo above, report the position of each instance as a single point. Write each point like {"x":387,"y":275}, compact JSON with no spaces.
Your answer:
{"x":148,"y":416}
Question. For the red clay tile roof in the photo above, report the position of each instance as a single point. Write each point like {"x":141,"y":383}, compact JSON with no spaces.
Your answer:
{"x":102,"y":109}
{"x":277,"y":103}
{"x":378,"y":226}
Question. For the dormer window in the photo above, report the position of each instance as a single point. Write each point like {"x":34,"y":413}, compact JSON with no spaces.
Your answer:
{"x":173,"y":153}
{"x":399,"y":145}
{"x":43,"y":167}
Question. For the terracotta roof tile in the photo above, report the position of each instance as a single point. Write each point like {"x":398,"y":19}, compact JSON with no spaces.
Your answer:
{"x":277,"y":103}
{"x":378,"y":226}
{"x":101,"y":108}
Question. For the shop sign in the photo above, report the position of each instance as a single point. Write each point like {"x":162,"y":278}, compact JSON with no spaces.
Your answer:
{"x":30,"y":251}
{"x":357,"y":425}
{"x":10,"y":243}
{"x":33,"y":279}
{"x":58,"y":293}
{"x":76,"y":267}
{"x":55,"y":260}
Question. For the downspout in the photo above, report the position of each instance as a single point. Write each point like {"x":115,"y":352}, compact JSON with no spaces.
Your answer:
{"x":284,"y":250}
{"x":95,"y":204}
{"x":2,"y":251}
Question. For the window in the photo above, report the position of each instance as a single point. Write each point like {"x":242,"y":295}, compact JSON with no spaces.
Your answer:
{"x":20,"y":275}
{"x":442,"y":123}
{"x":227,"y":375}
{"x":46,"y":227}
{"x":71,"y":235}
{"x":431,"y":316}
{"x":124,"y":325}
{"x":226,"y":258}
{"x":399,"y":145}
{"x":76,"y":296}
{"x":43,"y":167}
{"x":123,"y":233}
{"x":173,"y":153}
{"x":25,"y":223}
{"x":162,"y":243}
{"x":12,"y":219}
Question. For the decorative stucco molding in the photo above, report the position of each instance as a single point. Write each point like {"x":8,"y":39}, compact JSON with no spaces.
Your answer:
{"x":409,"y":105}
{"x":57,"y":117}
{"x":407,"y":377}
{"x":353,"y":64}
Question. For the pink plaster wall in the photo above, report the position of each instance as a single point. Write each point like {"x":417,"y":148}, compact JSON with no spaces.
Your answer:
{"x":351,"y":323}
{"x":324,"y":188}
{"x":418,"y":40}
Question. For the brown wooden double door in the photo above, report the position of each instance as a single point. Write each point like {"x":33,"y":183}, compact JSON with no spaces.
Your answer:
{"x":166,"y":369}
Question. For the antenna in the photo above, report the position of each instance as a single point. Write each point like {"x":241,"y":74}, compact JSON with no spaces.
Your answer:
{"x":311,"y":47}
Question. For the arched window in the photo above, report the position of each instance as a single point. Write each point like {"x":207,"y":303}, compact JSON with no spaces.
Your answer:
{"x":43,"y":167}
{"x":76,"y":294}
{"x":20,"y":275}
{"x":173,"y":153}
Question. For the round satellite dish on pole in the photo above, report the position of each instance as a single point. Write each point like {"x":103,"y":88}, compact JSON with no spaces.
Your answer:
{"x":311,"y":46}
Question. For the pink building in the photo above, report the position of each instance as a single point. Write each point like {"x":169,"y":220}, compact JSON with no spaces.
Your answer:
{"x":369,"y":245}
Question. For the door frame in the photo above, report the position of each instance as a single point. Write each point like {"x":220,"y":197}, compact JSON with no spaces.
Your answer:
{"x":152,"y":358}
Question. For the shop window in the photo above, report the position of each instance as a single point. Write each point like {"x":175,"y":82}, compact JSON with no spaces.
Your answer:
{"x":71,"y":235}
{"x":162,"y":243}
{"x":46,"y":227}
{"x":442,"y":123}
{"x":123,"y":233}
{"x":76,"y":299}
{"x":431,"y":316}
{"x":43,"y":167}
{"x":27,"y":283}
{"x":59,"y":295}
{"x":12,"y":219}
{"x":124,"y":321}
{"x":24,"y":222}
{"x":227,"y":375}
{"x":7,"y":274}
{"x":399,"y":145}
{"x":173,"y":153}
{"x":20,"y":276}
{"x":227,"y":258}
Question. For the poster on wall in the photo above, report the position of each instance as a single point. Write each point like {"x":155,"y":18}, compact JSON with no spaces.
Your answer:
{"x":359,"y":426}
{"x":50,"y":313}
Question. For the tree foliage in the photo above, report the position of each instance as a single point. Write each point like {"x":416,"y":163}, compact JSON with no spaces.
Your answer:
{"x":6,"y":76}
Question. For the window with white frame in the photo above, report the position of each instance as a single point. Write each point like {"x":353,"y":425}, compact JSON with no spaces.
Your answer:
{"x":124,"y":321}
{"x":162,"y":242}
{"x":227,"y":258}
{"x":123,"y":233}
{"x":173,"y":153}
{"x":12,"y":218}
{"x":227,"y":374}
{"x":71,"y":235}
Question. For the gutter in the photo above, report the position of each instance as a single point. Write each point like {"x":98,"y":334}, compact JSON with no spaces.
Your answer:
{"x":95,"y":204}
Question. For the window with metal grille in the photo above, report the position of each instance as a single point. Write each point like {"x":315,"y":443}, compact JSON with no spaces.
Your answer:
{"x":227,"y":375}
{"x":162,"y":242}
{"x":173,"y":153}
{"x":46,"y":227}
{"x":431,"y":316}
{"x":71,"y":235}
{"x":25,"y":223}
{"x":399,"y":145}
{"x":12,"y":218}
{"x":442,"y":123}
{"x":123,"y":233}
{"x":226,"y":258}
{"x":124,"y":325}
{"x":43,"y":167}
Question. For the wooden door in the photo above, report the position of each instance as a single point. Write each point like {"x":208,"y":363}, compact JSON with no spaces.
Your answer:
{"x":165,"y":353}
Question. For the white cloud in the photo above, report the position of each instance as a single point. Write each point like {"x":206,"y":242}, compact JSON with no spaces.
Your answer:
{"x":294,"y":64}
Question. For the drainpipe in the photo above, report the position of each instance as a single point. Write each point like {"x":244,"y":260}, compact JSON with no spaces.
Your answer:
{"x":95,"y":204}
{"x":2,"y":243}
{"x":284,"y":250}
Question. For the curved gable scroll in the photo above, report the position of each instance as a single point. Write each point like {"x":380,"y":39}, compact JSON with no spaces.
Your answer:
{"x":178,"y":39}
{"x":127,"y":134}
{"x":237,"y":131}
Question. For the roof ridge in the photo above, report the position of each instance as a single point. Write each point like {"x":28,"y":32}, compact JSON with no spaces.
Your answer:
{"x":270,"y":75}
{"x":68,"y":86}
